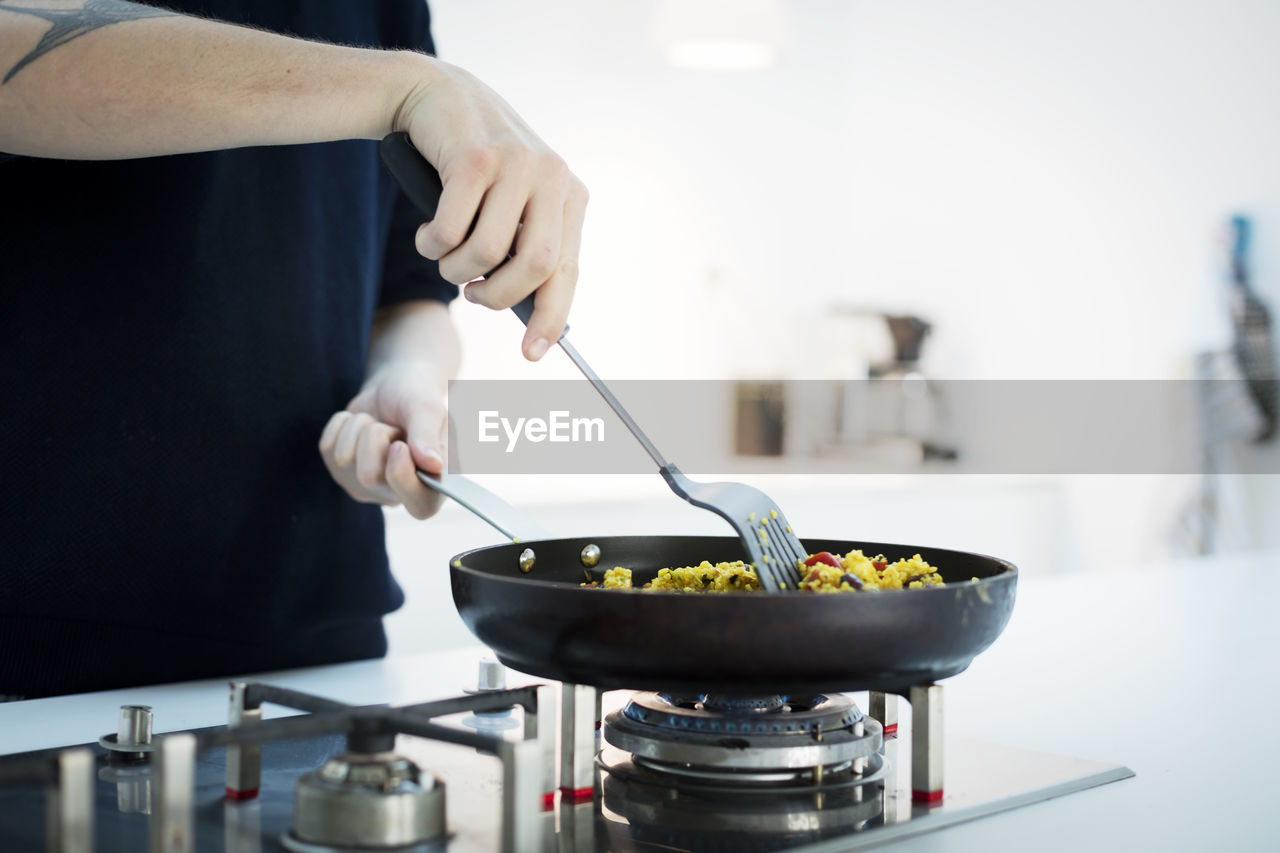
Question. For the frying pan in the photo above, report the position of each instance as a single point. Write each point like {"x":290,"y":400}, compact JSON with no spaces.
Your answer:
{"x":545,"y":624}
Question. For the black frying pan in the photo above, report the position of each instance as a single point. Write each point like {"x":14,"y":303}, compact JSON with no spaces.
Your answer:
{"x":545,"y":624}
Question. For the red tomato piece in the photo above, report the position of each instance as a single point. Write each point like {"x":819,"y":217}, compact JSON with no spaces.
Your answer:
{"x":813,"y":576}
{"x":880,"y":565}
{"x":823,"y":557}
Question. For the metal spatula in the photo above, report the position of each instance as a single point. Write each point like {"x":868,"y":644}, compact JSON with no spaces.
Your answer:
{"x":487,"y":506}
{"x":770,"y":546}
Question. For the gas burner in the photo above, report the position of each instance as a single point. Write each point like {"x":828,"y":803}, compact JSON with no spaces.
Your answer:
{"x":712,"y":742}
{"x":728,"y":704}
{"x":366,"y":801}
{"x":709,"y":773}
{"x":700,"y":820}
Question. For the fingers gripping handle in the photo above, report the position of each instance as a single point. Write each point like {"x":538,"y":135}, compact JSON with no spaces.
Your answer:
{"x":421,"y":183}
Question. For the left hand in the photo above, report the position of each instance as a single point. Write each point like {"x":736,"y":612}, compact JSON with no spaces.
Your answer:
{"x":394,"y":426}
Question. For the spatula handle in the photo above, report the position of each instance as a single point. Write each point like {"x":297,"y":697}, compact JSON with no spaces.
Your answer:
{"x":421,"y":183}
{"x":502,"y":516}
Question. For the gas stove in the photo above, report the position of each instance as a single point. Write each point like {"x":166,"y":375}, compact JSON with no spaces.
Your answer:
{"x":536,"y":768}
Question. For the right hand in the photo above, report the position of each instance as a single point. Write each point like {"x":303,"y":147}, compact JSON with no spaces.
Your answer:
{"x":519,"y":194}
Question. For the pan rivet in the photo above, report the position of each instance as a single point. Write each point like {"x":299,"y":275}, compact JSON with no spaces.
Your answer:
{"x":526,"y":560}
{"x":590,"y":555}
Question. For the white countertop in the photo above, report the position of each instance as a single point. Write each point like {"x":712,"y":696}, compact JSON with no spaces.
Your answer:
{"x":1110,"y":667}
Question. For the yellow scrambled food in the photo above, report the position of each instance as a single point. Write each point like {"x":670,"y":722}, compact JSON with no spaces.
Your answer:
{"x":823,"y":572}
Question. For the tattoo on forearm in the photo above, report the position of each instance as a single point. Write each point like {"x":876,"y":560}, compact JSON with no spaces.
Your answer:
{"x":72,"y":23}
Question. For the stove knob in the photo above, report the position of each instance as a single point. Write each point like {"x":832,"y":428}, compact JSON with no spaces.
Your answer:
{"x":131,"y":741}
{"x":491,"y":676}
{"x":135,"y":726}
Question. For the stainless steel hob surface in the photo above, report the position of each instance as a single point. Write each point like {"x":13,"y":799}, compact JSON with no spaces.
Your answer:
{"x":537,"y":768}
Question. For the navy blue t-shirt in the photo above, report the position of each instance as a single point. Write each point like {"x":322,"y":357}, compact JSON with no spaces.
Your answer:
{"x":174,"y":334}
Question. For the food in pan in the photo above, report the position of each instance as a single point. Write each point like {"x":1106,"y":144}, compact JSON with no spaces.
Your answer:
{"x":822,"y":572}
{"x":721,"y":577}
{"x":854,"y":571}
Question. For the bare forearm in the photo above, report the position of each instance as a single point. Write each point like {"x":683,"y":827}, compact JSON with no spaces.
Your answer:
{"x":420,"y":333}
{"x":105,"y":79}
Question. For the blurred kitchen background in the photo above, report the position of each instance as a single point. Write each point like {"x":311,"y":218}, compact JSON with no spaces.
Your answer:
{"x":1032,"y":190}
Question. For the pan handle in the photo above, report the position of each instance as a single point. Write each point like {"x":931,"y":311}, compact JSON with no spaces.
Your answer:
{"x":502,"y":516}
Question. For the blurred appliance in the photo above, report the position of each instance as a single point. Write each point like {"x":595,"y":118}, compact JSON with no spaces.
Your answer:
{"x":1237,"y":397}
{"x":1251,"y":321}
{"x":759,"y":418}
{"x":869,"y":402}
{"x":908,"y":334}
{"x":895,"y":404}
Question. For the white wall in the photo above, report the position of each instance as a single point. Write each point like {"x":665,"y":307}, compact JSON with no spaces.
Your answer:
{"x":1044,"y":181}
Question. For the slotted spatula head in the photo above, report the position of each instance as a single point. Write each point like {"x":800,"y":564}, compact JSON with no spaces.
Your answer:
{"x":766,"y":535}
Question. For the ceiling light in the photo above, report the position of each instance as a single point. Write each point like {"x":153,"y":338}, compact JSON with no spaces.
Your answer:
{"x":720,"y":35}
{"x":721,"y":54}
